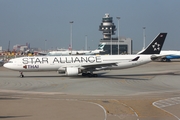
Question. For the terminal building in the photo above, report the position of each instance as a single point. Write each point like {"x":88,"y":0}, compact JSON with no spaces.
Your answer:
{"x":108,"y":28}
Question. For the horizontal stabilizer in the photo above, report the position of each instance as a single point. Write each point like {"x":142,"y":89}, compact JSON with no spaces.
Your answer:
{"x":135,"y":59}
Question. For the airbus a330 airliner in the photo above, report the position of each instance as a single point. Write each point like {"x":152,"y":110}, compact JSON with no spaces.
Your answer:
{"x":86,"y":64}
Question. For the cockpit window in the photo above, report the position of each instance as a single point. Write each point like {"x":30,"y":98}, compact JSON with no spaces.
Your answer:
{"x":10,"y":61}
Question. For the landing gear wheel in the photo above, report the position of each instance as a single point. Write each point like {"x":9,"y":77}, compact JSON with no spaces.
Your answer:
{"x":84,"y":74}
{"x":95,"y":75}
{"x":21,"y":74}
{"x":89,"y":75}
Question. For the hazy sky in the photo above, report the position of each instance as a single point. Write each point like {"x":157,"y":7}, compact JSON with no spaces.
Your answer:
{"x":35,"y":21}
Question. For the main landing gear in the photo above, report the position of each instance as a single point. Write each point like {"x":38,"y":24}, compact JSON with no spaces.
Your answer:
{"x":21,"y":74}
{"x":89,"y":75}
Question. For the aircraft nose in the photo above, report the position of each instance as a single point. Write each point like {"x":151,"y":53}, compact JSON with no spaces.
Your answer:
{"x":6,"y":65}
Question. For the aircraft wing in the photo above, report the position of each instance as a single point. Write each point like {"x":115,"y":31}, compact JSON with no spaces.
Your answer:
{"x":89,"y":66}
{"x":99,"y":65}
{"x":108,"y":64}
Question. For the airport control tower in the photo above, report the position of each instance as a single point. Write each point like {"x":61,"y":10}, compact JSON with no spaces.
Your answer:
{"x":113,"y":45}
{"x":107,"y":27}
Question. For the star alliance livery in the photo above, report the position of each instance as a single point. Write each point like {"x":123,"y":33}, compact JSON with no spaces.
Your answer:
{"x":86,"y":64}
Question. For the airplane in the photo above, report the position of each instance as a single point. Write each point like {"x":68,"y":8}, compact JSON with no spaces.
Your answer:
{"x":166,"y":55}
{"x":73,"y":65}
{"x":76,"y":52}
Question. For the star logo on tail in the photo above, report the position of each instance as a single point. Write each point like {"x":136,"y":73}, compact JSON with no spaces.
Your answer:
{"x":156,"y":46}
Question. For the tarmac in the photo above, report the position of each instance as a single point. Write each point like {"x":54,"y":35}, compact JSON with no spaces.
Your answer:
{"x":147,"y":92}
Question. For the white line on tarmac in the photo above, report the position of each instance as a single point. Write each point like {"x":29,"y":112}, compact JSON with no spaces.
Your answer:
{"x":130,"y":109}
{"x":105,"y":114}
{"x":166,"y":103}
{"x":30,"y":92}
{"x":133,"y":111}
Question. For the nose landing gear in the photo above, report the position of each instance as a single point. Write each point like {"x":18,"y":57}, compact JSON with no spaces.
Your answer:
{"x":21,"y":74}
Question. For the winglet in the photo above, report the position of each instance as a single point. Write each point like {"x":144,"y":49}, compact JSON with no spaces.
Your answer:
{"x":155,"y":46}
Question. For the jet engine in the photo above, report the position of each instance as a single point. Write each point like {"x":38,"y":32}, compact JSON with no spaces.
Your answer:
{"x":70,"y":71}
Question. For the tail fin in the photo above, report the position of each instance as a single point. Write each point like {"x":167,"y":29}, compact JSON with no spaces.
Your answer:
{"x":101,"y":46}
{"x":155,"y":46}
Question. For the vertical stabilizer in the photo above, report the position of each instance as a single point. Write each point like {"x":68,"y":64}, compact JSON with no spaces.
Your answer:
{"x":155,"y":46}
{"x":101,"y":46}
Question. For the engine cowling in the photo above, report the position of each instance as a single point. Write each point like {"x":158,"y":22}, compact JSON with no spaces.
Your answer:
{"x":70,"y":71}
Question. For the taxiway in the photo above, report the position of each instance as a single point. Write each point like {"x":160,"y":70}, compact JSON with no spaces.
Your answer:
{"x":147,"y":92}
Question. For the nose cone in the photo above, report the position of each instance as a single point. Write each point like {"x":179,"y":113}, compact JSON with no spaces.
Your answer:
{"x":6,"y":65}
{"x":9,"y":66}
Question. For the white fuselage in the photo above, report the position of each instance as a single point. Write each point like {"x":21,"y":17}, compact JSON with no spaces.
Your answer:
{"x":56,"y":63}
